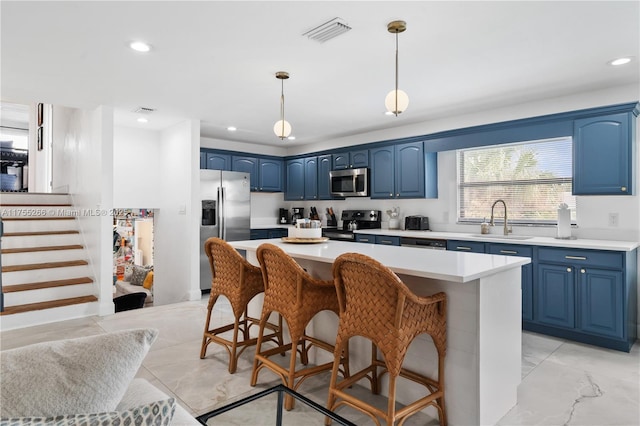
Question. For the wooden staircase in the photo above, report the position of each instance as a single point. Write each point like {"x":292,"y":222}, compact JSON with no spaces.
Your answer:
{"x":45,"y":272}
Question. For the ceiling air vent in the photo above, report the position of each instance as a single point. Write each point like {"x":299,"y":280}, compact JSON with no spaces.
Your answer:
{"x":328,"y":30}
{"x":144,"y":110}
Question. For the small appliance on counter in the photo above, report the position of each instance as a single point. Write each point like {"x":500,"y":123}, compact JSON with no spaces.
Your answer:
{"x":416,"y":223}
{"x":283,"y":217}
{"x":298,"y":213}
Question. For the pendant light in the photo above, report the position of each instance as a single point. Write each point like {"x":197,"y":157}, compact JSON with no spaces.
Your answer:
{"x":282,"y":128}
{"x":397,"y":100}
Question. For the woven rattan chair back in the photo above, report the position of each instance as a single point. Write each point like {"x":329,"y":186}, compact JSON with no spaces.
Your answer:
{"x":376,"y":304}
{"x":238,"y":281}
{"x":298,"y":297}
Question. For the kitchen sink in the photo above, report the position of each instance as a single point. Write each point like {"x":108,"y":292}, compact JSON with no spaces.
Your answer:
{"x":502,"y":237}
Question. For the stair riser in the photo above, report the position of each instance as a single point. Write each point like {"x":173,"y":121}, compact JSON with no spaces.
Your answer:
{"x":49,"y":274}
{"x":39,"y":225}
{"x":27,"y":319}
{"x":46,"y":294}
{"x":42,"y":256}
{"x":31,"y":198}
{"x":40,"y":240}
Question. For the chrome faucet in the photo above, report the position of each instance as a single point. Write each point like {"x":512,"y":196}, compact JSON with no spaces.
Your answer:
{"x":506,"y":227}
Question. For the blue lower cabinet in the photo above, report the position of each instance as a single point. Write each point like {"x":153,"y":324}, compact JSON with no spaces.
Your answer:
{"x":555,"y":290}
{"x":365,"y":238}
{"x":387,"y":240}
{"x":263,"y":234}
{"x":469,"y":246}
{"x":601,"y":302}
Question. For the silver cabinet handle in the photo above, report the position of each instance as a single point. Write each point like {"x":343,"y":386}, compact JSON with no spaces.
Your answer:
{"x":386,"y":242}
{"x":576,"y":257}
{"x":508,"y":251}
{"x":463,"y":248}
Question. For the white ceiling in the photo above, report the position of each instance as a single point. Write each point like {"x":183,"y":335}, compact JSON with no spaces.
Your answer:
{"x":216,"y":61}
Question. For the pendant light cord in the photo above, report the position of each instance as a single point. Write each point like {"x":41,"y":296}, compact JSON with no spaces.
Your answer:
{"x":282,"y":109}
{"x":396,"y":94}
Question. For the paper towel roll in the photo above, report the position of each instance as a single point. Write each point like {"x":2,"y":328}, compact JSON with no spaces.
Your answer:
{"x":564,"y":223}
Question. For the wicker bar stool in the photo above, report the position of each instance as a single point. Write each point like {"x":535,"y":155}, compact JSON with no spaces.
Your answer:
{"x":238,"y":281}
{"x":376,"y":304}
{"x":298,"y":297}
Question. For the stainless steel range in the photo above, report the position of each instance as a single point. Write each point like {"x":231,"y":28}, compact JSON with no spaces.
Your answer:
{"x":353,"y":220}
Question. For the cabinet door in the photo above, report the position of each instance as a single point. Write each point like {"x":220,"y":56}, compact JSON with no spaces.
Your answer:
{"x":203,"y":160}
{"x":555,"y":298}
{"x":359,"y":159}
{"x":382,"y":172}
{"x":270,"y":175}
{"x":603,"y":155}
{"x":246,"y":165}
{"x":324,"y":167}
{"x":468,"y":246}
{"x":341,"y":161}
{"x":295,"y":180}
{"x":601,"y":302}
{"x":365,"y":238}
{"x":388,"y":240}
{"x":409,"y":170}
{"x":311,"y":178}
{"x":217,"y":161}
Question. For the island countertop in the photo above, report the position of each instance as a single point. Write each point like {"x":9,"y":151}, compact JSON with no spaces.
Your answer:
{"x":445,"y":265}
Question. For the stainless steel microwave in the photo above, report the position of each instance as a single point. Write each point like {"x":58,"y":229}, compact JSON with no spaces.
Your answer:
{"x":349,"y":182}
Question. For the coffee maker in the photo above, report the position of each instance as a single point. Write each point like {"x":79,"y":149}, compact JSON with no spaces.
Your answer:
{"x":298,"y":213}
{"x":283,"y":217}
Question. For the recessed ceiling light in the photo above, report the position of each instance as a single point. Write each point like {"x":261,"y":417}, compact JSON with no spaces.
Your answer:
{"x":140,"y":46}
{"x":620,"y":61}
{"x":231,"y":129}
{"x":292,"y":138}
{"x":142,"y":120}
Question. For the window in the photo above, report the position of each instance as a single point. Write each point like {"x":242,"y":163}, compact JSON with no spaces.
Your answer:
{"x":532,"y":177}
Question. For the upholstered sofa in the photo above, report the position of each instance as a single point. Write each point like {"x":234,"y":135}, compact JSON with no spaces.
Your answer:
{"x":84,"y":381}
{"x":139,"y":280}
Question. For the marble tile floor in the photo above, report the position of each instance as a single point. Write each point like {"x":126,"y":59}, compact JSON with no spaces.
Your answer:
{"x":563,"y":382}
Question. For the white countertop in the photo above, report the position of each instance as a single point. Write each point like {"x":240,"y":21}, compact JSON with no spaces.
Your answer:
{"x":533,"y":241}
{"x":437,"y":264}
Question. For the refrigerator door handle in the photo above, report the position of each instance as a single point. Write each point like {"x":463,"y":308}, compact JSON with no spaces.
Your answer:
{"x":221,"y":203}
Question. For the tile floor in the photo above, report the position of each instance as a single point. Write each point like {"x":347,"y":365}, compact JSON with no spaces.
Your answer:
{"x":563,"y":382}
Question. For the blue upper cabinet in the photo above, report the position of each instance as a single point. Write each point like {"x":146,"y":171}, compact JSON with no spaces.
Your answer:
{"x":351,"y":160}
{"x":311,"y":178}
{"x":246,"y":165}
{"x":215,"y":161}
{"x":294,"y":171}
{"x":203,"y":160}
{"x":270,"y":175}
{"x":603,"y":155}
{"x":324,"y":167}
{"x":403,"y":171}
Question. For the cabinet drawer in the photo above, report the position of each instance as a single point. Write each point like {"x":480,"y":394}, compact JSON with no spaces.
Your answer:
{"x":469,"y":246}
{"x":589,"y":258}
{"x":510,"y":250}
{"x":387,"y":240}
{"x":365,"y":238}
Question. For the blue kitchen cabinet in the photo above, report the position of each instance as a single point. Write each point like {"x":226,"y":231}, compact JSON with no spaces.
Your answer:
{"x":351,"y":160}
{"x":365,"y":238}
{"x":203,"y":160}
{"x":603,"y":155}
{"x":246,"y":165}
{"x":311,"y":178}
{"x":324,"y":186}
{"x":216,"y":161}
{"x":527,"y":273}
{"x":601,"y":302}
{"x":555,"y":290}
{"x":388,"y":240}
{"x":403,"y":171}
{"x":267,"y":233}
{"x":266,"y":173}
{"x":294,"y":188}
{"x":270,"y":175}
{"x":468,"y":246}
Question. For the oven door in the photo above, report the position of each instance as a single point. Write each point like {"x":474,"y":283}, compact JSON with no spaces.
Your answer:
{"x":339,"y":235}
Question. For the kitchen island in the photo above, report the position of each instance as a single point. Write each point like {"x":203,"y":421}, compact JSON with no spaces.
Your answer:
{"x":482,"y":366}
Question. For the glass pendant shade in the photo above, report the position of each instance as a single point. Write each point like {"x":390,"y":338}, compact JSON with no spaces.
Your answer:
{"x":282,"y":131}
{"x":390,"y":101}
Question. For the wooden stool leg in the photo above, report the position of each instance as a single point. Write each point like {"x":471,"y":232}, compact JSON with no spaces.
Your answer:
{"x":338,"y":353}
{"x":391,"y":404}
{"x":207,"y":324}
{"x":441,"y":407}
{"x":254,"y":373}
{"x":375,"y":380}
{"x":233,"y":361}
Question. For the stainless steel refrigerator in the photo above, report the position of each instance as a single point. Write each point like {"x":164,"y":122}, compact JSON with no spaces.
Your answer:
{"x":225,"y":212}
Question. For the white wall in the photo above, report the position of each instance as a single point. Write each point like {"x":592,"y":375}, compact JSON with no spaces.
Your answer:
{"x":160,"y":170}
{"x":242,"y":147}
{"x":83,"y":148}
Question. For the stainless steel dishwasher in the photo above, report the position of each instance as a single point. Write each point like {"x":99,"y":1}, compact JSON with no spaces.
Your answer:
{"x":423,"y":243}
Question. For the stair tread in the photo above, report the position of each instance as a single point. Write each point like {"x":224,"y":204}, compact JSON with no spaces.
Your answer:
{"x":8,"y":310}
{"x":45,"y":265}
{"x":41,"y":248}
{"x":45,"y":284}
{"x":10,"y":218}
{"x":32,"y":233}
